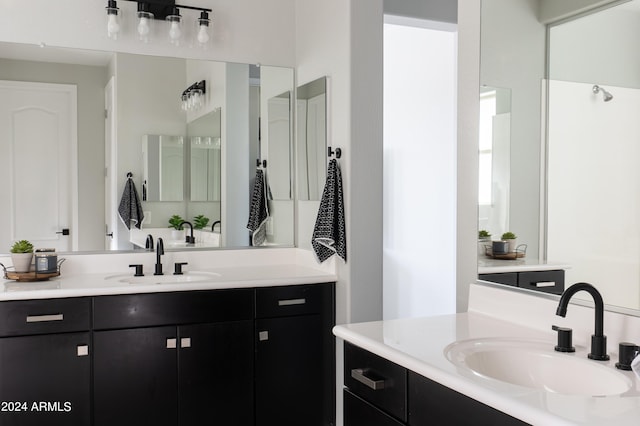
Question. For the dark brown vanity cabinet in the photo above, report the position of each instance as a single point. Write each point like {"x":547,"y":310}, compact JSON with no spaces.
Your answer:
{"x":174,"y":358}
{"x":295,"y":355}
{"x":380,"y":392}
{"x":45,"y":367}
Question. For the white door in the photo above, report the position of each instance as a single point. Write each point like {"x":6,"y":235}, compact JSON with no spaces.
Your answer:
{"x":38,"y":157}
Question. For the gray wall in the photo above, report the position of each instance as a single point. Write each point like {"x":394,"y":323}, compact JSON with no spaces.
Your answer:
{"x":90,"y":81}
{"x":433,"y":10}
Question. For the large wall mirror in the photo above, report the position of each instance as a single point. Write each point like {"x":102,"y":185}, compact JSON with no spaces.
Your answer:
{"x":111,"y":105}
{"x":573,"y":186}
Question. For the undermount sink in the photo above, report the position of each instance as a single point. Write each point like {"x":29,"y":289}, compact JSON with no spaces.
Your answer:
{"x":536,"y":365}
{"x":186,"y":277}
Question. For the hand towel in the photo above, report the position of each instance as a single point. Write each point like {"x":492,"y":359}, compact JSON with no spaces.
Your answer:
{"x":130,"y":208}
{"x":329,"y":235}
{"x":258,"y":210}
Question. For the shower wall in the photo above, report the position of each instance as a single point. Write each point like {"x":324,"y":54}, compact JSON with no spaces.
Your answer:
{"x":593,"y":194}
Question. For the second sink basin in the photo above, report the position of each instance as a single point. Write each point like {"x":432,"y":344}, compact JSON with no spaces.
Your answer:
{"x":536,"y":365}
{"x":186,"y":277}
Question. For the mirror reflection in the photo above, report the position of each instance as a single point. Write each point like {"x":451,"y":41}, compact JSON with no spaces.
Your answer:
{"x":311,"y":139}
{"x":162,"y":161}
{"x":573,"y":118}
{"x":141,"y":96}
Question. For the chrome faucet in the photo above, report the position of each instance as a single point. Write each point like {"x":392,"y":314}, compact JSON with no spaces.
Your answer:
{"x":159,"y":252}
{"x":149,"y":243}
{"x":598,"y":340}
{"x":189,"y":239}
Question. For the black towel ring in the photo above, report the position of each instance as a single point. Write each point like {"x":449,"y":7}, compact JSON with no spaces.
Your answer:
{"x":337,"y":152}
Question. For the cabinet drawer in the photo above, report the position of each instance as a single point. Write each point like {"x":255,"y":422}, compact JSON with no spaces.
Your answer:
{"x":358,"y":412}
{"x":545,"y":281}
{"x":292,"y":300}
{"x":155,"y":309}
{"x":377,"y":380}
{"x":26,"y":317}
{"x":508,"y":278}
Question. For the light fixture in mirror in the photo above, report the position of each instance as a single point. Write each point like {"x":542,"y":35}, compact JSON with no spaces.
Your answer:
{"x":140,"y":93}
{"x":311,"y":139}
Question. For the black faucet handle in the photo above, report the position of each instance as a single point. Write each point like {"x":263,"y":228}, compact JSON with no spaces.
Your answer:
{"x":178,"y":268}
{"x":138,"y":270}
{"x":626,"y":354}
{"x":565,"y":339}
{"x":190,"y":240}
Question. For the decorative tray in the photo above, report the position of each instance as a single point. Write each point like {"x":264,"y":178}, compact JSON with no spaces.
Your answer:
{"x":520,"y":253}
{"x":30,"y":276}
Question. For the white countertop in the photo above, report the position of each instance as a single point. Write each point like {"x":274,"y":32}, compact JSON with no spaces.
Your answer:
{"x":419,"y":345}
{"x":497,"y":266}
{"x":110,"y":283}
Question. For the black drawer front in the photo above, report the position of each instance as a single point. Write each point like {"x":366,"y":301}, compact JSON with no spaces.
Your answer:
{"x":292,"y":300}
{"x":358,"y":412}
{"x":545,"y":281}
{"x":154,"y":309}
{"x":25,"y":317}
{"x":363,"y":366}
{"x":508,"y":278}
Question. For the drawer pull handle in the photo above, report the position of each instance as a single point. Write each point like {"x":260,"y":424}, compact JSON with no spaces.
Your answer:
{"x":545,"y":284}
{"x":358,"y":374}
{"x":185,"y":342}
{"x":172,"y":343}
{"x":45,"y":318}
{"x":291,"y":302}
{"x":82,"y":350}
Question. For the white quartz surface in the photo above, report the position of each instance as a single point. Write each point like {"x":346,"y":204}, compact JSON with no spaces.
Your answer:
{"x":496,"y":266}
{"x":110,"y":283}
{"x":419,"y":345}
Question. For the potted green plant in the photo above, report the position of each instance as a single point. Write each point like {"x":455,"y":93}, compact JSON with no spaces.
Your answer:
{"x":175,"y":222}
{"x":484,"y":238}
{"x":21,"y":255}
{"x":200,"y":221}
{"x":511,"y":238}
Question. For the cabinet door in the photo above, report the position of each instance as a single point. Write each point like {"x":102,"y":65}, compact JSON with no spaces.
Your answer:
{"x":216,"y":374}
{"x":289,"y":371}
{"x":135,"y":377}
{"x":47,"y":378}
{"x":358,"y":412}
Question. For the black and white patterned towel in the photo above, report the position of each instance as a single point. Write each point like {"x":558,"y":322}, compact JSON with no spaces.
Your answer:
{"x":130,"y":208}
{"x":258,"y":210}
{"x":329,"y":235}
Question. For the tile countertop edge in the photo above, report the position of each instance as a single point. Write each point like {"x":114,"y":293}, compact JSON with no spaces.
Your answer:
{"x":478,"y":392}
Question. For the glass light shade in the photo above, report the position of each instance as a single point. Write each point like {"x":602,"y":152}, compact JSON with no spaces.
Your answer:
{"x":145,"y":26}
{"x":113,"y":20}
{"x":203,"y":30}
{"x":175,"y":28}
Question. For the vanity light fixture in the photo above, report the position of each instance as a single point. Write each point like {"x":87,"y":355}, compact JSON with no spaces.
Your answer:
{"x":193,"y":97}
{"x":151,"y":10}
{"x":113,"y":20}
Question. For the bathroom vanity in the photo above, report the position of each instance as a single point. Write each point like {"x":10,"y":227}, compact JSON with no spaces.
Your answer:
{"x":487,"y":366}
{"x":239,"y":347}
{"x":524,"y":273}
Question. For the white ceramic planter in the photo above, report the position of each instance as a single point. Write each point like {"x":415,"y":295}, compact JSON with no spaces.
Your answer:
{"x":21,"y":261}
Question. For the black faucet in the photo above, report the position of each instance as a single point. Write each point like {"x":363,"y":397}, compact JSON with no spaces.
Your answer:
{"x":159,"y":252}
{"x":189,"y":239}
{"x":214,"y":225}
{"x":149,"y":243}
{"x":598,"y":340}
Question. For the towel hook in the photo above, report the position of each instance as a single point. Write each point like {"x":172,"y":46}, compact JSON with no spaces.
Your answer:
{"x":264,"y":163}
{"x":337,"y":152}
{"x":129,"y":175}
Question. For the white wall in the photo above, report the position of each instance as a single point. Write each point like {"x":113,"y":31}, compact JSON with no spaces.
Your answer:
{"x":594,"y":201}
{"x":419,"y":171}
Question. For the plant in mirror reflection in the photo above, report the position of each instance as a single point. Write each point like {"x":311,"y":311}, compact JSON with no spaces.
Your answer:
{"x":175,"y":222}
{"x":200,"y":221}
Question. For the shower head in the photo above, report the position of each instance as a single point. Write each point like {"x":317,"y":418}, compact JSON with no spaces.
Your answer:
{"x":607,"y":96}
